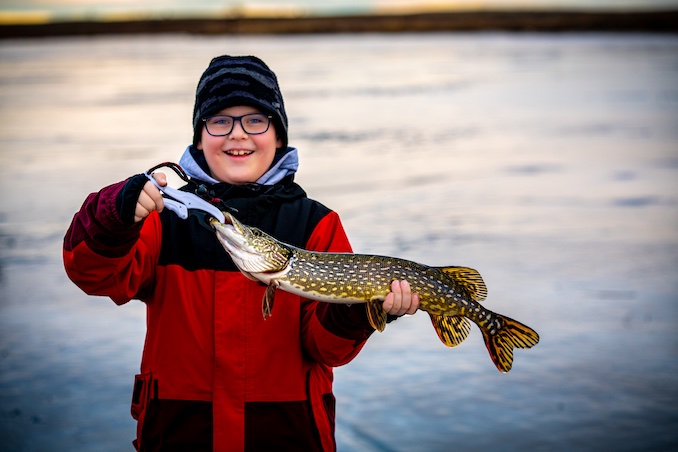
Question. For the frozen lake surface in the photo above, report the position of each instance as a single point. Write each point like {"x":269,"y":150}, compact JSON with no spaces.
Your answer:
{"x":549,"y":162}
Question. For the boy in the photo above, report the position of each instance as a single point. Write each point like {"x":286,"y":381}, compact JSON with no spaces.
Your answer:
{"x":215,"y":375}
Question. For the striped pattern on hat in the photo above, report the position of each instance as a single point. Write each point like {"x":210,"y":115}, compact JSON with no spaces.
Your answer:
{"x":230,"y":81}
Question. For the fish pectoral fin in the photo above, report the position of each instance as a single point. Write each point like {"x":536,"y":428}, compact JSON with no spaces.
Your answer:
{"x":469,"y":279}
{"x":376,"y":315}
{"x":267,"y":302}
{"x":452,"y":329}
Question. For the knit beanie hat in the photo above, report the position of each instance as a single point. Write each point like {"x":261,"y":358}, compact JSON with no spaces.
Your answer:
{"x":230,"y":81}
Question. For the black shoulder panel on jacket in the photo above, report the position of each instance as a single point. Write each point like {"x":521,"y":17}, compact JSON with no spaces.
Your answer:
{"x":283,"y":211}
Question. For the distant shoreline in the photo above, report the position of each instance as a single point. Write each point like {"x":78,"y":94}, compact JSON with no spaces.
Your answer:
{"x":515,"y":21}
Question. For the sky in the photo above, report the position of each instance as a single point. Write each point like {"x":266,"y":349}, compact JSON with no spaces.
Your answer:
{"x":46,"y":10}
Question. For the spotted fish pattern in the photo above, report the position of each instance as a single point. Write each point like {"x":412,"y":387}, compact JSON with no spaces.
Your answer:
{"x":450,"y":295}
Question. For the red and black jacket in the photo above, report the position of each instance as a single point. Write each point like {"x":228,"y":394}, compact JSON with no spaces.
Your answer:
{"x":214,"y":374}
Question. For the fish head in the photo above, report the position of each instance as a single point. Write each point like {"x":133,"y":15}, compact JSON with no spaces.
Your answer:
{"x":254,"y":252}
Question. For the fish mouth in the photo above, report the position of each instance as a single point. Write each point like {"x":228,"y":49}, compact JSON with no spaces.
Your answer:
{"x":235,"y":237}
{"x":231,"y":232}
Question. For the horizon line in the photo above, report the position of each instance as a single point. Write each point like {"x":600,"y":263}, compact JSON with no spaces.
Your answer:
{"x":240,"y":12}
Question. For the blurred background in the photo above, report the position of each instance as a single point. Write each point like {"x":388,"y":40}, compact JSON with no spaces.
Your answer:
{"x":547,"y":161}
{"x":46,"y":10}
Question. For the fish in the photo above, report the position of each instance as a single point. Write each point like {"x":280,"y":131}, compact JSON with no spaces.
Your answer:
{"x":450,"y":295}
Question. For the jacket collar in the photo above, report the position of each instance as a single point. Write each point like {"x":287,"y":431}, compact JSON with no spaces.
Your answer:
{"x":284,"y":164}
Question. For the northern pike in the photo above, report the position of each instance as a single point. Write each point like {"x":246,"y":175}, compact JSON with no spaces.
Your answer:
{"x":450,"y":295}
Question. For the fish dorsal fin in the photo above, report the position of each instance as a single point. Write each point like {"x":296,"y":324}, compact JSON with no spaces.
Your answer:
{"x":376,"y":315}
{"x":469,"y":279}
{"x":451,"y":329}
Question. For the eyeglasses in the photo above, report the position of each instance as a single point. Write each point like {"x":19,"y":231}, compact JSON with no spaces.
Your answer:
{"x":252,"y":124}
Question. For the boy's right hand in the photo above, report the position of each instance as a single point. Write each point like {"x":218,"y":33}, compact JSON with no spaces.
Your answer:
{"x":150,"y":198}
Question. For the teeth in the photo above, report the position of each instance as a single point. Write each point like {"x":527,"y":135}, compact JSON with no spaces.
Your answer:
{"x":238,"y":152}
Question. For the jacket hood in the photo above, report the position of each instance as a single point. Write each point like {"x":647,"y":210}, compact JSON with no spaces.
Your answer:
{"x":284,"y":164}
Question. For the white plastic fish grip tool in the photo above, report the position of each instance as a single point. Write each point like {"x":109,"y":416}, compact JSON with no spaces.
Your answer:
{"x":180,"y":202}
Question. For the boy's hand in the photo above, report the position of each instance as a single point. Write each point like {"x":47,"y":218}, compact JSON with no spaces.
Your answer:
{"x":401,"y":300}
{"x":150,"y":198}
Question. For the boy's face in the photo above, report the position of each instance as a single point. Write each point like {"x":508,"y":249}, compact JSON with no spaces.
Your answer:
{"x":239,"y":158}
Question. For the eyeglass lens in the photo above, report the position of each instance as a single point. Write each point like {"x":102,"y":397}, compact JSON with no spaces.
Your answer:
{"x":254,"y":123}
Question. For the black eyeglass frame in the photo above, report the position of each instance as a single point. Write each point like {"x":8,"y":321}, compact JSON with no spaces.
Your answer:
{"x":238,"y":119}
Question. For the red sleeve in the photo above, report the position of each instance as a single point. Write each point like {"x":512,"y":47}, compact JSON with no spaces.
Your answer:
{"x":332,"y":333}
{"x":104,"y":256}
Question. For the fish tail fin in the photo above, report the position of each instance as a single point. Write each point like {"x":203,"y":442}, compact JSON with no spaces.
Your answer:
{"x":510,"y":334}
{"x":452,"y":330}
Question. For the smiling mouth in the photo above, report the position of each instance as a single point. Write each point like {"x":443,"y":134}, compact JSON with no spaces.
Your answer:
{"x":239,"y":152}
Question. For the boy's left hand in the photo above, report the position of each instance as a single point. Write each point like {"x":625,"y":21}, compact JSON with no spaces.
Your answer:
{"x":401,"y":300}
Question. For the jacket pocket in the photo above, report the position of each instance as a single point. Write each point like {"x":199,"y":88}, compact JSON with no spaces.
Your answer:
{"x":140,"y":399}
